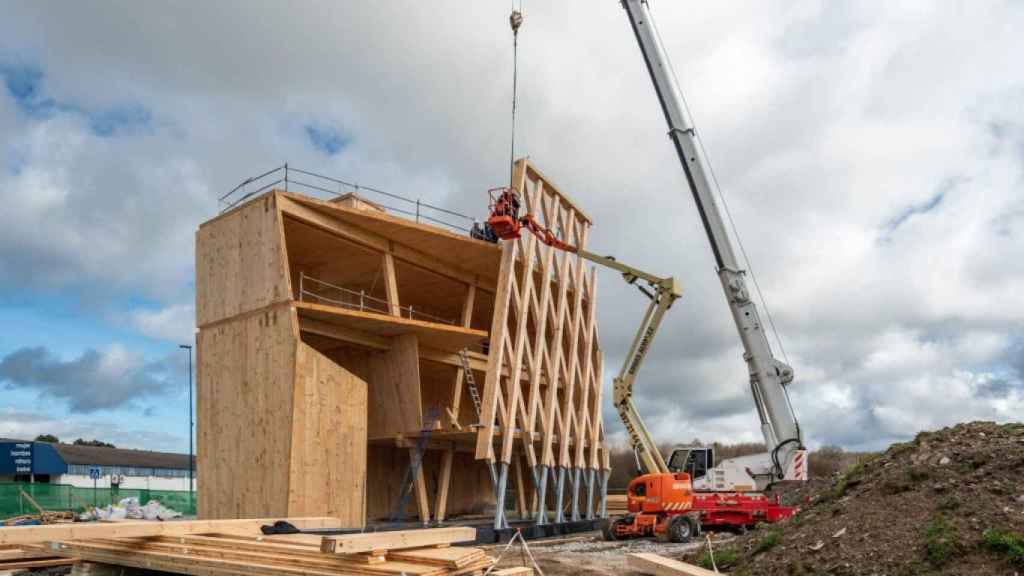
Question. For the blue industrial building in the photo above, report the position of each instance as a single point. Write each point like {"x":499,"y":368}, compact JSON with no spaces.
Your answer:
{"x":44,"y":462}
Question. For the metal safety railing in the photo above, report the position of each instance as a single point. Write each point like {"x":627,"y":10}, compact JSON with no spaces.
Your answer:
{"x":294,"y":179}
{"x":317,"y":291}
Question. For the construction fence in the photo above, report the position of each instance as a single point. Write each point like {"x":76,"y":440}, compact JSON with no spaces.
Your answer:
{"x":63,"y":497}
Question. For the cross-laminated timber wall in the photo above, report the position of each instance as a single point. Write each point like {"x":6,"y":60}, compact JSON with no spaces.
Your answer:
{"x":329,"y":341}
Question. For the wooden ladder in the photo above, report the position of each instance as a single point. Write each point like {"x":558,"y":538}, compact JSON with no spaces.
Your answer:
{"x":474,"y":394}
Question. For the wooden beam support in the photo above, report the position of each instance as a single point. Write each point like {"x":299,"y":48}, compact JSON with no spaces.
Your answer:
{"x":656,"y":565}
{"x":443,"y":482}
{"x":517,"y":464}
{"x":420,"y":485}
{"x":495,"y":359}
{"x":136,"y":529}
{"x":460,"y":373}
{"x":391,"y":283}
{"x":397,"y":540}
{"x":12,"y":567}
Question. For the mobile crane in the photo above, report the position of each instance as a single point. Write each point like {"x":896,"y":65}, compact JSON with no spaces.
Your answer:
{"x":785,"y":458}
{"x":677,"y":498}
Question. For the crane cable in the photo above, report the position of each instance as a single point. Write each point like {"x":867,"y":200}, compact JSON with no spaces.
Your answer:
{"x":515,"y":20}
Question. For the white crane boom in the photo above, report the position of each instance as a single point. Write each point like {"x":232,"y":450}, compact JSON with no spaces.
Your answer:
{"x":768,"y":375}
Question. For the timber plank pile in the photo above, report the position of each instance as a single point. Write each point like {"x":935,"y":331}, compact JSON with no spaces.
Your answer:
{"x":237,"y":548}
{"x":617,"y":504}
{"x":24,"y":557}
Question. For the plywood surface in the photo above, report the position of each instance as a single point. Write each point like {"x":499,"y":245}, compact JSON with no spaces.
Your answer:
{"x":244,"y":405}
{"x":240,"y":262}
{"x":431,"y":334}
{"x":329,"y":431}
{"x":395,"y":389}
{"x":456,"y":250}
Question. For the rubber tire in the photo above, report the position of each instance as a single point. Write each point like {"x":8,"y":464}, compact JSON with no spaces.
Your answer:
{"x":680,"y":529}
{"x":608,"y":529}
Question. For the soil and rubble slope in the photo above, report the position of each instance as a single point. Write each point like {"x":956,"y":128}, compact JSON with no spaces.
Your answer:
{"x":948,"y":502}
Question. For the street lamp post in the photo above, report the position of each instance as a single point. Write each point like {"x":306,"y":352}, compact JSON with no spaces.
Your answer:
{"x":191,"y":425}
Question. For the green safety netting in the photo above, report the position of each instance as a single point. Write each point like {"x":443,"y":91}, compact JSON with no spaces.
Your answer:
{"x":57,"y":497}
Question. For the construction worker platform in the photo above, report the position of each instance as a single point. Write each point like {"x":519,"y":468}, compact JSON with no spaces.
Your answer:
{"x":362,"y":365}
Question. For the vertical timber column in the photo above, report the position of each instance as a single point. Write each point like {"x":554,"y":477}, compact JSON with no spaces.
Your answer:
{"x":448,"y":456}
{"x":422,"y":504}
{"x":460,"y":375}
{"x":517,"y":463}
{"x":492,"y":384}
{"x":443,"y":482}
{"x":391,"y":283}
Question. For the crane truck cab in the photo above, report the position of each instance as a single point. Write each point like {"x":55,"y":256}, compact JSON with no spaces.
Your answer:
{"x":694,"y":460}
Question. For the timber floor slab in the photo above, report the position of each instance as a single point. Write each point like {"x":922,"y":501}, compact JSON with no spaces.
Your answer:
{"x":431,"y":334}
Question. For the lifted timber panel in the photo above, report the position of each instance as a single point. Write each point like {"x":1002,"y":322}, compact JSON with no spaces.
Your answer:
{"x":544,"y":372}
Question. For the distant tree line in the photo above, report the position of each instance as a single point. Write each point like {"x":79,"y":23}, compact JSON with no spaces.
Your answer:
{"x":823,"y":462}
{"x":78,"y":441}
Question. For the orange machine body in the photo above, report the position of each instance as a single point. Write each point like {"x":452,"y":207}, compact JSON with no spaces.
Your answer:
{"x":666,"y":504}
{"x":656,"y":493}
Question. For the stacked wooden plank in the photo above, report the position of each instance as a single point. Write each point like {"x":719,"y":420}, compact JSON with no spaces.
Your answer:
{"x":617,"y":504}
{"x":15,"y":557}
{"x":237,"y":548}
{"x":646,"y":563}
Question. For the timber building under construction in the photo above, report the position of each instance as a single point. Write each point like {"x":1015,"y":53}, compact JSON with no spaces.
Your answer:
{"x":348,"y":356}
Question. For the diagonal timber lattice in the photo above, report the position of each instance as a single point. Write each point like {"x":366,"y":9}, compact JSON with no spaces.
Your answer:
{"x":544,"y":371}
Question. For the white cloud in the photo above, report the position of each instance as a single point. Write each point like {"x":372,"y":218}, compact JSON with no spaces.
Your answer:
{"x":826,"y":122}
{"x":175,"y":323}
{"x":111,"y":379}
{"x":26,"y":425}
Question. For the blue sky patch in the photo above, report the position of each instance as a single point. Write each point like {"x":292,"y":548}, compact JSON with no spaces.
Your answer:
{"x":327,"y":139}
{"x":25,"y":84}
{"x":22,"y":82}
{"x":108,"y":122}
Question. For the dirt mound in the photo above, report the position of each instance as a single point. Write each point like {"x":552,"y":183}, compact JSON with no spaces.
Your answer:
{"x":949,"y":502}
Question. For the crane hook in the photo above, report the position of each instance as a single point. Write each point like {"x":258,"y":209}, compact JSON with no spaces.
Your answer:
{"x":515,"y":20}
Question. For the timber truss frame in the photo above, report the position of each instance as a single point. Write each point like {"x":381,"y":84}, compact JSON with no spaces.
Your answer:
{"x":545,"y":369}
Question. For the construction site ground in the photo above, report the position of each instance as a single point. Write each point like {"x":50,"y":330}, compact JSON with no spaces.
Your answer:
{"x":949,"y":502}
{"x":588,"y":553}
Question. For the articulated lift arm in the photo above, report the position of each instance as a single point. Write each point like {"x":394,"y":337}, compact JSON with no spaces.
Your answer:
{"x":768,"y":375}
{"x":662,"y":292}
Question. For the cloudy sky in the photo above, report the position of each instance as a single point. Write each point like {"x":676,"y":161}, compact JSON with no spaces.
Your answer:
{"x":872,"y":155}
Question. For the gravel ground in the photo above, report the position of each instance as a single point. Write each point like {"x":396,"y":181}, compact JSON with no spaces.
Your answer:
{"x":590,"y":554}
